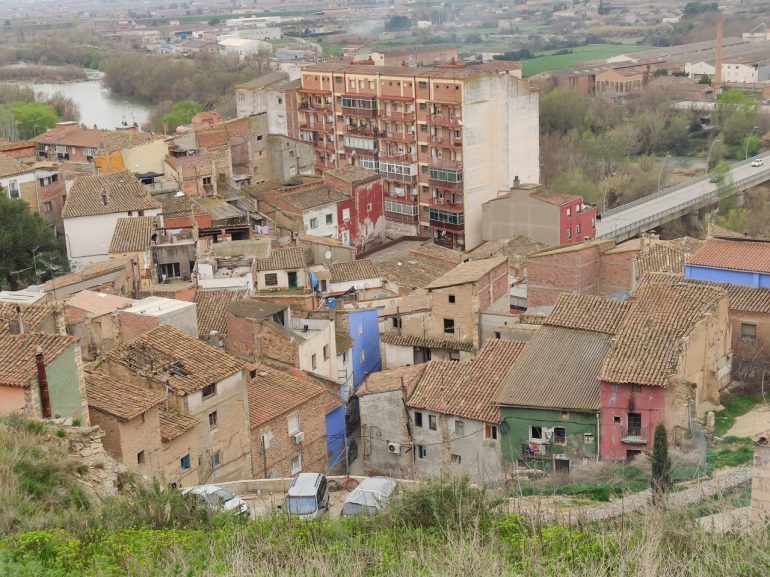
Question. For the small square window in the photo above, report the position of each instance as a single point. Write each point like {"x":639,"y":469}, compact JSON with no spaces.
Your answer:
{"x":216,"y":460}
{"x":296,"y":464}
{"x":271,"y":279}
{"x":569,"y":212}
{"x":432,"y":422}
{"x":422,"y":452}
{"x":451,"y":298}
{"x":314,"y":362}
{"x":459,"y":428}
{"x":140,"y":457}
{"x":209,"y":390}
{"x":329,"y":218}
{"x":259,"y":137}
{"x":449,"y":326}
{"x":564,"y":416}
{"x":314,"y":223}
{"x":396,"y":323}
{"x":748,"y":332}
{"x":456,"y":459}
{"x":560,"y":436}
{"x":417,"y":419}
{"x":47,"y":207}
{"x":422,"y":84}
{"x":569,"y":233}
{"x":206,"y":180}
{"x":616,"y":420}
{"x":363,"y":356}
{"x":588,"y":438}
{"x":185,"y":463}
{"x":497,"y":334}
{"x":213,"y":420}
{"x":326,"y":352}
{"x":490,"y":431}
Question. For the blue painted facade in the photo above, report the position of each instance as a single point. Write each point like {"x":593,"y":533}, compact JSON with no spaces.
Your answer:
{"x":721,"y":275}
{"x":366,"y":345}
{"x":335,"y":437}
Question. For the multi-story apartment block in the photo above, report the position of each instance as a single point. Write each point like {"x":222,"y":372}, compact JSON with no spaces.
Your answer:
{"x":444,"y":139}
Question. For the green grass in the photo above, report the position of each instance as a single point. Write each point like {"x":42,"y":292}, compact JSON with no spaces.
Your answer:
{"x":734,"y":407}
{"x":549,"y":61}
{"x":731,"y":452}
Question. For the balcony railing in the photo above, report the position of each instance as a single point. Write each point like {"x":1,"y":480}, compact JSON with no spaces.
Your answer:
{"x":359,"y":130}
{"x":634,"y":436}
{"x":398,"y":157}
{"x":317,"y":127}
{"x":447,"y":205}
{"x":445,"y":163}
{"x":445,"y":120}
{"x":530,"y":450}
{"x":398,"y":136}
{"x":367,"y":112}
{"x":399,"y":116}
{"x":324,"y":145}
{"x":315,"y":107}
{"x":436,"y":138}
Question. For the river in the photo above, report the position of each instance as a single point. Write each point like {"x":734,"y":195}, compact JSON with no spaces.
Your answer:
{"x":98,"y":106}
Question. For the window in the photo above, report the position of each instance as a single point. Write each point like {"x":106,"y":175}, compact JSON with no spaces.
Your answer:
{"x":636,"y":388}
{"x":449,"y":326}
{"x":210,"y":390}
{"x":314,"y":362}
{"x":417,"y":419}
{"x":564,"y":416}
{"x":280,"y":100}
{"x":748,"y":332}
{"x":326,"y":352}
{"x":451,"y":298}
{"x":490,"y":431}
{"x":140,"y":457}
{"x":423,"y":105}
{"x":259,"y":137}
{"x":432,"y":422}
{"x":266,"y":438}
{"x":169,"y":270}
{"x":13,"y":189}
{"x":396,"y":323}
{"x":329,"y":218}
{"x":293,"y":422}
{"x":422,"y":452}
{"x":616,"y":420}
{"x":363,"y":356}
{"x":593,"y":222}
{"x":313,"y":223}
{"x":497,"y":334}
{"x":456,"y":459}
{"x":296,"y":464}
{"x":569,"y":233}
{"x":569,"y":212}
{"x":560,"y":436}
{"x":535,"y":433}
{"x":422,"y":84}
{"x":369,"y":207}
{"x":47,"y":207}
{"x":184,"y":462}
{"x":271,"y":279}
{"x":577,"y":229}
{"x":213,"y":420}
{"x":459,"y":428}
{"x":454,"y":355}
{"x":90,"y":153}
{"x":634,"y":424}
{"x":346,"y":214}
{"x":588,"y":438}
{"x":206,"y":181}
{"x":344,"y":357}
{"x":216,"y":460}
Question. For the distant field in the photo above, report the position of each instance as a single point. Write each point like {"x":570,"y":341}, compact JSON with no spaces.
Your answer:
{"x":580,"y":54}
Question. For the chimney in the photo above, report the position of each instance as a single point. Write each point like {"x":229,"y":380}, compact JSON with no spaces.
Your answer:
{"x":16,"y":326}
{"x":718,"y":63}
{"x":516,"y":182}
{"x":214,"y":339}
{"x":105,"y":198}
{"x":42,"y":381}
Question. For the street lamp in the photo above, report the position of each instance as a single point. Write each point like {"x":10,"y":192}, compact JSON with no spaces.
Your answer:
{"x":748,"y":140}
{"x":662,"y":166}
{"x":708,"y":157}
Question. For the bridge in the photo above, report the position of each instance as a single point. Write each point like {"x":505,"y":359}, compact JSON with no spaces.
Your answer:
{"x":646,"y":213}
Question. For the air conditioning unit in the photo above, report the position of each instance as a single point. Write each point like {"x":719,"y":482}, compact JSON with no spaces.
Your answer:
{"x":394,"y":448}
{"x":298,"y":438}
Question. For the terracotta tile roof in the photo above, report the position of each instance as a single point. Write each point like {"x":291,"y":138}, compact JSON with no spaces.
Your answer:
{"x":588,"y":313}
{"x":17,"y":354}
{"x":391,"y":380}
{"x":394,"y":338}
{"x":436,"y":251}
{"x":211,"y":309}
{"x":734,"y":254}
{"x":31,"y":315}
{"x":10,"y":166}
{"x":666,"y":256}
{"x":254,"y":309}
{"x":90,"y":271}
{"x":98,"y":304}
{"x":552,"y":197}
{"x":647,"y":346}
{"x":413,"y":272}
{"x":120,"y":398}
{"x":72,"y":135}
{"x":518,"y":246}
{"x":169,"y":355}
{"x":307,"y":199}
{"x":742,"y":298}
{"x":177,"y":206}
{"x":123,"y":139}
{"x":275,"y":392}
{"x":353,"y":174}
{"x":174,"y":424}
{"x":559,"y":368}
{"x":466,"y":388}
{"x":132,"y":234}
{"x":282,"y":259}
{"x":353,"y":271}
{"x":124,"y":193}
{"x":256,"y":247}
{"x":467,"y":272}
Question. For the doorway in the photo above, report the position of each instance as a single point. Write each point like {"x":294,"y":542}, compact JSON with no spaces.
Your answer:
{"x":292,"y":279}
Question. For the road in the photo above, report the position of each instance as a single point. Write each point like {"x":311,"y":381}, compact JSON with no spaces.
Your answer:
{"x":613,"y":222}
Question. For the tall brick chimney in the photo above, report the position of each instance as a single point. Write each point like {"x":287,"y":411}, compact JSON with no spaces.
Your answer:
{"x":42,"y":382}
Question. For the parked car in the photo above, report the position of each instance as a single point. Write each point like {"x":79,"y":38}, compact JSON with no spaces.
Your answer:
{"x":758,"y":162}
{"x":308,"y":496}
{"x":369,"y":497}
{"x":218,"y":499}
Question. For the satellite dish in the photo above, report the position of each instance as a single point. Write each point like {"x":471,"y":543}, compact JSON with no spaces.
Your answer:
{"x":328,"y":255}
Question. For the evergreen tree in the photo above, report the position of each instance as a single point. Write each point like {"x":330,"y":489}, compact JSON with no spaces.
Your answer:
{"x":661,"y":466}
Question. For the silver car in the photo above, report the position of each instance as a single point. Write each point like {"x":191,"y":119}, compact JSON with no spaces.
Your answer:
{"x":369,"y":497}
{"x":217,"y":499}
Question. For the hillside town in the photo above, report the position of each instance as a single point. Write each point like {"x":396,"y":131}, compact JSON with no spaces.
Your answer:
{"x":387,"y":263}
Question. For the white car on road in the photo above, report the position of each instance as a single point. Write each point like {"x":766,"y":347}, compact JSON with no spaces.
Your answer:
{"x":218,"y":499}
{"x":758,"y":162}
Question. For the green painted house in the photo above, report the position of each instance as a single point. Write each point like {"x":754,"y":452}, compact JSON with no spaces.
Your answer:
{"x":549,"y":401}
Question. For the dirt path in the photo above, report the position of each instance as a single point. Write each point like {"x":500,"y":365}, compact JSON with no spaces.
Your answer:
{"x":756,"y":421}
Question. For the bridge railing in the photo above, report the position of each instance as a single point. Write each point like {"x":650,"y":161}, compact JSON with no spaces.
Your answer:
{"x":709,"y":197}
{"x":674,"y":188}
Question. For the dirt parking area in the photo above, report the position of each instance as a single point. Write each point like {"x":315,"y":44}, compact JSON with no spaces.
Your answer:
{"x":756,"y":421}
{"x":264,"y":504}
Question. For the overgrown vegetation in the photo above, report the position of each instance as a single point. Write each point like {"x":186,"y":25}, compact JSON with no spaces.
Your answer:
{"x":23,"y":116}
{"x":441,"y":529}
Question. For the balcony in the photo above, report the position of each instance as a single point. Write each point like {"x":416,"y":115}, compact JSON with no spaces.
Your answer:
{"x":406,"y":137}
{"x":537,"y":451}
{"x":444,"y":219}
{"x":437,"y":138}
{"x":399,"y":116}
{"x":397,"y":171}
{"x":326,"y":128}
{"x":315,"y":107}
{"x":445,"y":163}
{"x":324,"y":145}
{"x":359,"y":130}
{"x":445,"y":120}
{"x":353,"y":111}
{"x":398,"y":157}
{"x":446,"y":205}
{"x":634,"y":436}
{"x":313,"y":91}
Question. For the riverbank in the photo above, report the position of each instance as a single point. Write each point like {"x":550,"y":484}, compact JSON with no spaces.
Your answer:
{"x":47,"y":74}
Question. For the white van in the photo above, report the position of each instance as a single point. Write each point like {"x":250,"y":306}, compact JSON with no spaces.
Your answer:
{"x":308,"y":496}
{"x":369,"y":497}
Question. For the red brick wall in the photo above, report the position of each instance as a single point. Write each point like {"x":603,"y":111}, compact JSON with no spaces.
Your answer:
{"x":616,"y":273}
{"x":447,"y":91}
{"x":132,"y":326}
{"x":550,"y":275}
{"x":246,"y":339}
